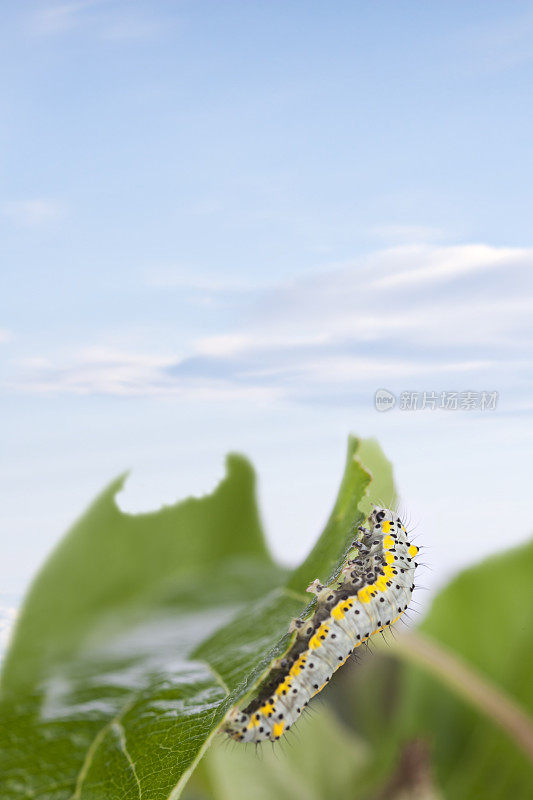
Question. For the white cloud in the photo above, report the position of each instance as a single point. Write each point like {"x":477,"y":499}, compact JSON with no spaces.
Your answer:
{"x":444,"y":263}
{"x":35,"y":213}
{"x":436,"y":313}
{"x":223,"y":345}
{"x":120,"y":373}
{"x":483,"y":298}
{"x":96,"y":370}
{"x":350,"y":369}
{"x":233,"y":345}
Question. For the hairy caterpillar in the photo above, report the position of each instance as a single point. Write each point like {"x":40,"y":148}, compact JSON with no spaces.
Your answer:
{"x":371,"y":592}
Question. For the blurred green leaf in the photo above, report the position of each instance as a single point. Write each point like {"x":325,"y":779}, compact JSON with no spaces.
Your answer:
{"x":295,"y":771}
{"x":484,"y":618}
{"x":141,"y":631}
{"x":464,"y":687}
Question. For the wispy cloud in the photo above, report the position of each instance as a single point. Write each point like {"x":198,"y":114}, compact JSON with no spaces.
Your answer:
{"x":121,"y":373}
{"x":99,"y":370}
{"x":105,"y":19}
{"x":453,"y":315}
{"x":5,"y":336}
{"x":444,"y":263}
{"x":57,"y":18}
{"x":33,"y":213}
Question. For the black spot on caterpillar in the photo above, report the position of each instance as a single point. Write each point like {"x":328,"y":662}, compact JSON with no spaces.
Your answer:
{"x":348,"y":612}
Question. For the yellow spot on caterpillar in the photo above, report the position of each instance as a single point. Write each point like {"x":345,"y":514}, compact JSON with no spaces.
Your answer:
{"x":413,"y":550}
{"x":386,"y":526}
{"x":278,"y":728}
{"x":297,"y":666}
{"x":283,"y":687}
{"x":363,"y":595}
{"x":317,"y":639}
{"x":388,"y":542}
{"x":389,"y":558}
{"x":337,"y":612}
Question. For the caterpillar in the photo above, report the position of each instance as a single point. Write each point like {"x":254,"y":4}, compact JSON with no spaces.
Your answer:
{"x":370,"y":593}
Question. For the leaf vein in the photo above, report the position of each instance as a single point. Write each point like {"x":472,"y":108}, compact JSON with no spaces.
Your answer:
{"x":218,"y":677}
{"x":119,"y":728}
{"x":93,"y":748}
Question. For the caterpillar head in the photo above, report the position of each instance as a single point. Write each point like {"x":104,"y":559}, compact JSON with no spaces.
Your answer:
{"x":380,"y":515}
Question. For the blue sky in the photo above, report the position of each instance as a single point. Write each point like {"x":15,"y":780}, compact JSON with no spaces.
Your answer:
{"x":225,"y":225}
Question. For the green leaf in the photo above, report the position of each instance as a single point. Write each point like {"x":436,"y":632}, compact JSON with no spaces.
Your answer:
{"x":483,"y":619}
{"x":464,"y":686}
{"x":295,"y":771}
{"x":140,"y":633}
